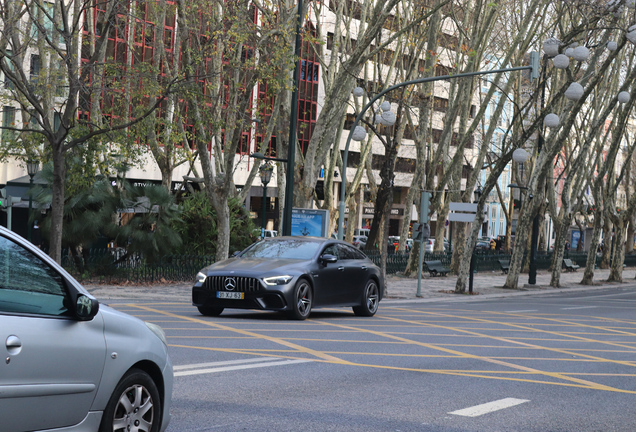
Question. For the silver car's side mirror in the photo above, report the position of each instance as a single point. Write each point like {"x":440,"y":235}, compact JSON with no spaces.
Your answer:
{"x":86,"y":307}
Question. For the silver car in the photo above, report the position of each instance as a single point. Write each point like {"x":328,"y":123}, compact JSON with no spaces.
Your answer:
{"x":68,"y":363}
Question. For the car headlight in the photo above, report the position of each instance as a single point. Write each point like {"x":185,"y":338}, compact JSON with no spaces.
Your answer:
{"x":201,"y":277}
{"x":277,"y":280}
{"x":158,"y":331}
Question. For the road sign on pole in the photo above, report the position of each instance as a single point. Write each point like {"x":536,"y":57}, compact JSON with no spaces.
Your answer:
{"x":462,"y":212}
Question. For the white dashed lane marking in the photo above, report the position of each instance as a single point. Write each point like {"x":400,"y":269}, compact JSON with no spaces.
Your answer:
{"x":224,"y":366}
{"x":489,"y":407}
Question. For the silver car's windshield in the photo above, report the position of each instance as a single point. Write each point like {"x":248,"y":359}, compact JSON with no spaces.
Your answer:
{"x":287,"y":249}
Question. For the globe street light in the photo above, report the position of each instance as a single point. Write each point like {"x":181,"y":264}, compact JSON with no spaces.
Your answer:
{"x":33,"y":167}
{"x":265,"y":171}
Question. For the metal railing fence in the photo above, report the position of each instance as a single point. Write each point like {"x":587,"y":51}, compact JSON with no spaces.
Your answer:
{"x":110,"y":265}
{"x":113,"y":265}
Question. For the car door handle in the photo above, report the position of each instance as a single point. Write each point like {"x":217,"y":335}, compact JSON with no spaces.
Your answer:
{"x":13,"y":344}
{"x":363,"y":267}
{"x":341,"y":268}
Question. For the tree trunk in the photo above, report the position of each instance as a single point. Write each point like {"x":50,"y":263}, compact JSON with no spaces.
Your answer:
{"x":459,"y":244}
{"x":561,"y":229}
{"x":220,"y":204}
{"x":57,"y":202}
{"x":590,"y":264}
{"x":519,"y":248}
{"x":607,"y":243}
{"x":464,"y":266}
{"x":618,"y":251}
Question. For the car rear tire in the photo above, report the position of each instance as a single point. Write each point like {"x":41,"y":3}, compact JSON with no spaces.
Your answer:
{"x":302,"y":301}
{"x":370,"y":300}
{"x":135,"y":405}
{"x":211,"y":311}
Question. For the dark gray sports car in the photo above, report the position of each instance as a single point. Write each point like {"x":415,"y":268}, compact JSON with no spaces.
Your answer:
{"x":292,"y":274}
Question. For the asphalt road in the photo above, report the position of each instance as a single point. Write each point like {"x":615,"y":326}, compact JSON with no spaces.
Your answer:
{"x":549,"y":362}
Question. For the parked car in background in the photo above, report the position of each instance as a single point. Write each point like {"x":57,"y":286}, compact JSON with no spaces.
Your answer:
{"x":359,"y":241}
{"x":292,"y":275}
{"x":266,"y":233}
{"x":482,"y":245}
{"x":70,"y":363}
{"x":429,"y":245}
{"x":362,"y":231}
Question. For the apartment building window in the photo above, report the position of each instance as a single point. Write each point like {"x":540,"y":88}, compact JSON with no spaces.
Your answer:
{"x":8,"y":121}
{"x":35,"y":67}
{"x":8,"y":84}
{"x":45,"y":15}
{"x":307,"y":91}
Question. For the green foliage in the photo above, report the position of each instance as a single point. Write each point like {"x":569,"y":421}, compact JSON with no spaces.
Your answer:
{"x":198,"y":228}
{"x":90,"y":212}
{"x":150,"y":231}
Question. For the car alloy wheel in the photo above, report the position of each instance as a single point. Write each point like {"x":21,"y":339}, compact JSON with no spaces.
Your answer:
{"x":303,"y":297}
{"x":370,"y":300}
{"x":134,"y":405}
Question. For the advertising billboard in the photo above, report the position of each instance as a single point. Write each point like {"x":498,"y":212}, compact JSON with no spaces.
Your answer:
{"x":310,"y":222}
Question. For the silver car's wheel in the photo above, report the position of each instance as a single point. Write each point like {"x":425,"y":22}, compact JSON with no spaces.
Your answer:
{"x":303,"y":296}
{"x":134,"y":406}
{"x":370,"y":300}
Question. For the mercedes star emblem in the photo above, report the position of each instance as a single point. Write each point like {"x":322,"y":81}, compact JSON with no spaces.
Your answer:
{"x":230,"y":283}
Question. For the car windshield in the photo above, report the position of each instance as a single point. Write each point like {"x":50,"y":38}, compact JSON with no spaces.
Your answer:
{"x":286,"y":249}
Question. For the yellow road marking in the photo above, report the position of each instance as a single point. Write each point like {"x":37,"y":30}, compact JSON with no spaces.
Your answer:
{"x":323,"y":356}
{"x":569,"y":336}
{"x":588,"y":384}
{"x":279,"y":341}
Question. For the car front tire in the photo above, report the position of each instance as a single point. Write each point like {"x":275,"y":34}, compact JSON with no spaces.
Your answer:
{"x":370,"y":300}
{"x":302,"y":300}
{"x":211,"y":311}
{"x":134,"y":406}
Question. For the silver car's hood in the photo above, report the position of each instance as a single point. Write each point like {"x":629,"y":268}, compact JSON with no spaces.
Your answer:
{"x":253,"y":265}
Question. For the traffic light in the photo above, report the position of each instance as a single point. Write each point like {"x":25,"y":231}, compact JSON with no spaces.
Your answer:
{"x":425,"y":205}
{"x":417,"y":232}
{"x":534,"y":63}
{"x":421,"y":231}
{"x":3,"y":198}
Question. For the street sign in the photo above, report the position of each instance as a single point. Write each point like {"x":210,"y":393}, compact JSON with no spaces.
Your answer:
{"x":462,"y":212}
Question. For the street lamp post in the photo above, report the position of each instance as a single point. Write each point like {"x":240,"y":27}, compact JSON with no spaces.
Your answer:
{"x":261,"y":156}
{"x":265,"y":171}
{"x":32,"y":168}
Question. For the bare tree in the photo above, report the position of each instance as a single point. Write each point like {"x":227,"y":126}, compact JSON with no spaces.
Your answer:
{"x":60,"y":103}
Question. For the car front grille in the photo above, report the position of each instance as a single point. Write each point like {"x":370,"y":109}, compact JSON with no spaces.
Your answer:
{"x":232,"y":283}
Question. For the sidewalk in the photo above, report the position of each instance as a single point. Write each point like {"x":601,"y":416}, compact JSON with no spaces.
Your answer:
{"x":490,"y":284}
{"x":399,"y":288}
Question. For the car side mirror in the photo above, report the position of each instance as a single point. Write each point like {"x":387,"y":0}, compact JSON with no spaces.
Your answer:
{"x":86,"y":307}
{"x":236,"y":253}
{"x":328,"y":258}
